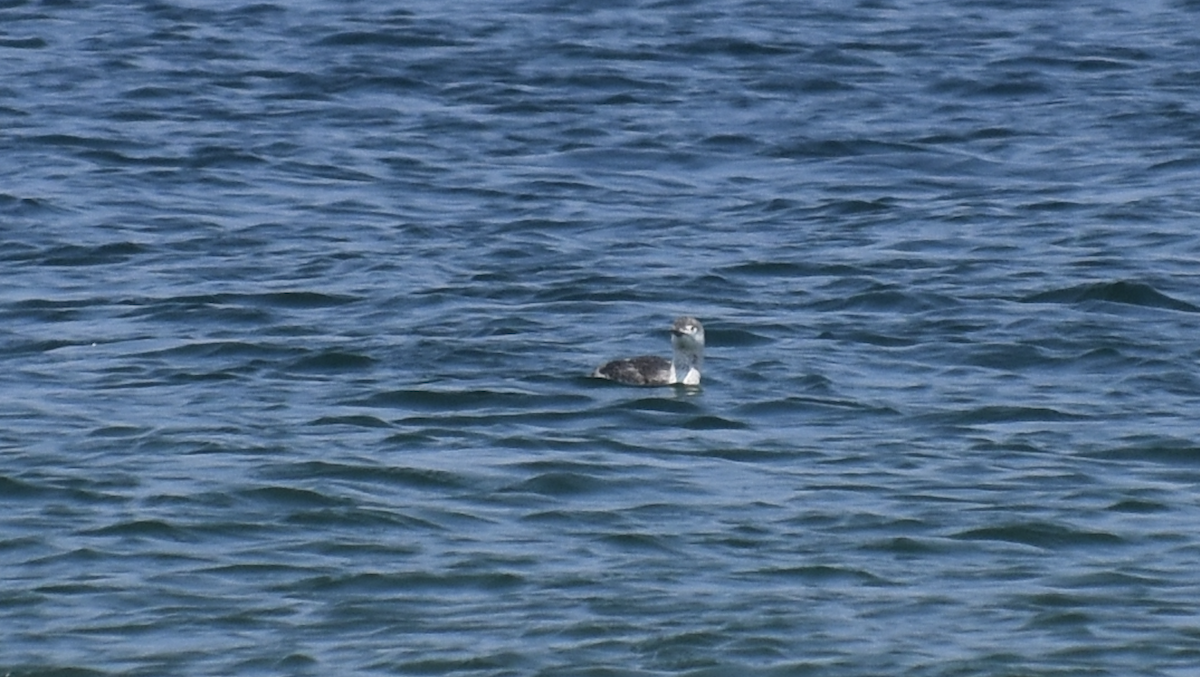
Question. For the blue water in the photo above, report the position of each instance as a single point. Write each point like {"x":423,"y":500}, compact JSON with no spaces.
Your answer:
{"x":299,"y":302}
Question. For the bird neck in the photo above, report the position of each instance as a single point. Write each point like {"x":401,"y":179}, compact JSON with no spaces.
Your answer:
{"x":686,"y":367}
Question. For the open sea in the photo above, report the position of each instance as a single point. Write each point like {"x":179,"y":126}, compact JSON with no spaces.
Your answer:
{"x":299,"y":303}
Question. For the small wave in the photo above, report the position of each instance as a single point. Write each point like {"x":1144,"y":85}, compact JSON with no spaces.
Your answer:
{"x":285,"y":495}
{"x":406,"y":582}
{"x":359,"y":421}
{"x":21,"y":206}
{"x":658,"y":404}
{"x":844,"y":148}
{"x":293,"y":299}
{"x":145,"y":528}
{"x":83,"y":255}
{"x":737,"y":338}
{"x":714,"y":423}
{"x":773,"y":269}
{"x":1166,"y":451}
{"x":419,"y":478}
{"x":15,"y":488}
{"x":1138,"y":506}
{"x":889,"y":300}
{"x":992,"y":414}
{"x":219,"y":350}
{"x":1045,"y":535}
{"x":33,"y":42}
{"x":822,"y":573}
{"x":639,"y":542}
{"x":1121,"y":291}
{"x":332,"y":361}
{"x":558,"y":483}
{"x":387,"y":39}
{"x":430,"y":399}
{"x":906,"y":546}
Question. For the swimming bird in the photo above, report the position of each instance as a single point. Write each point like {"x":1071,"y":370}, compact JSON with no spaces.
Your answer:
{"x":687,"y":340}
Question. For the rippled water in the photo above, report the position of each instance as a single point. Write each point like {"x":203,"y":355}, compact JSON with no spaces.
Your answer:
{"x":299,"y":303}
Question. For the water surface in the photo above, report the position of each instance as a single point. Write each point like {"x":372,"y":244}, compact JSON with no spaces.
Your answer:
{"x":300,"y":301}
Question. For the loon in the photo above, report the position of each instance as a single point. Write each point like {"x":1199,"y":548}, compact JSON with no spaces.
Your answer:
{"x":687,"y":338}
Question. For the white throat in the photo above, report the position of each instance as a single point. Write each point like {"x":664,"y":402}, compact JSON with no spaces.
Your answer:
{"x":688,"y":363}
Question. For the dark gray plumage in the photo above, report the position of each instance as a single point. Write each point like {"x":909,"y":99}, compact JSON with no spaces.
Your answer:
{"x":643,"y":370}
